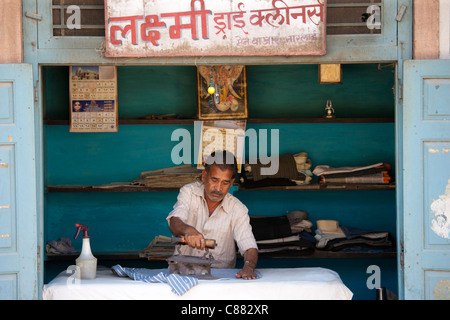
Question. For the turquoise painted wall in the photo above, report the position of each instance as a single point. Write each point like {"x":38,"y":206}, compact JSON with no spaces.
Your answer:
{"x":129,"y":221}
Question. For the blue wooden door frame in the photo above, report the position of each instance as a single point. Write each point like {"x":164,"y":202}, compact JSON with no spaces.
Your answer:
{"x":18,"y":217}
{"x":342,"y":49}
{"x":427,"y":179}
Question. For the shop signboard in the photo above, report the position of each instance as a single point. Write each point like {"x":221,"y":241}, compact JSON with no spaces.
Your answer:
{"x":158,"y":28}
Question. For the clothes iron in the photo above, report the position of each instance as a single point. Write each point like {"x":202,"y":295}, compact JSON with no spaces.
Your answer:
{"x":193,"y":266}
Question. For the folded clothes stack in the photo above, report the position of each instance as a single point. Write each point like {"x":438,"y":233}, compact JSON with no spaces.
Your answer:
{"x":283,"y":234}
{"x":291,"y":170}
{"x":168,"y":177}
{"x":332,"y":237}
{"x":378,"y":173}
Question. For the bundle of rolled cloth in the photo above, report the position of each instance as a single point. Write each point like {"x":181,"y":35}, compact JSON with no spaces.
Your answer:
{"x":378,"y":173}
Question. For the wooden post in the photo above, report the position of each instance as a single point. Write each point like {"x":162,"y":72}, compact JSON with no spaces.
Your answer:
{"x":11,"y":41}
{"x":426,"y":29}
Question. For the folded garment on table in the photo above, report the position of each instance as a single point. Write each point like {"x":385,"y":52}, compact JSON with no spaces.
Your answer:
{"x":179,"y":284}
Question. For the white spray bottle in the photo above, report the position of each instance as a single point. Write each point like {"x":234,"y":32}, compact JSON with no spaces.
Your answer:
{"x":86,"y":262}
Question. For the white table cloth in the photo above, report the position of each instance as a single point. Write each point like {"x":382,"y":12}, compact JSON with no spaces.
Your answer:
{"x":275,"y":284}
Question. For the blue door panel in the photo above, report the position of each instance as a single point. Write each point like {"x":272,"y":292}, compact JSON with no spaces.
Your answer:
{"x":7,"y":230}
{"x":426,"y":196}
{"x":18,"y":236}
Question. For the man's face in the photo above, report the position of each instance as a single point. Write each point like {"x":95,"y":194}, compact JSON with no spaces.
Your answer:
{"x":217,"y":183}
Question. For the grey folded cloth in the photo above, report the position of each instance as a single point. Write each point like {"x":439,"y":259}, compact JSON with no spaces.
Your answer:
{"x":63,"y":246}
{"x":296,"y":216}
{"x":298,"y":222}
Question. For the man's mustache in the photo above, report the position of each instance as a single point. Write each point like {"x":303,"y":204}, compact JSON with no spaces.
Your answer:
{"x":217,"y":193}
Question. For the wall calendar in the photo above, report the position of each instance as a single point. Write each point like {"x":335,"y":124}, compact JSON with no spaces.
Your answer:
{"x":222,"y":135}
{"x":93,"y":99}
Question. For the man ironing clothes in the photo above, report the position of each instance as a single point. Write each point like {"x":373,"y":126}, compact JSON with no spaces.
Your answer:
{"x":205,"y":210}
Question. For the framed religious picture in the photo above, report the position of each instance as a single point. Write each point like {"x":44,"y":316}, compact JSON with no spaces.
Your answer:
{"x":222,"y":92}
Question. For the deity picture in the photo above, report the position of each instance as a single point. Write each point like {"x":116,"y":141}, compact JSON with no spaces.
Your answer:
{"x":222,"y":92}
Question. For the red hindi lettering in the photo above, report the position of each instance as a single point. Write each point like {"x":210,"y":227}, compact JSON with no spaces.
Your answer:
{"x":256,"y":19}
{"x":175,"y":32}
{"x":220,"y":25}
{"x":151,"y":21}
{"x":239,"y":15}
{"x":312,"y":12}
{"x":278,"y":17}
{"x":302,"y":13}
{"x":124,"y":30}
{"x":237,"y":18}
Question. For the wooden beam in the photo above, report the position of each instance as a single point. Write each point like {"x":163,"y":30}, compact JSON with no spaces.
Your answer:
{"x":11,"y":41}
{"x":426,"y":29}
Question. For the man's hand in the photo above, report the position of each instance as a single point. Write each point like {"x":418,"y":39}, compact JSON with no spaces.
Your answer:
{"x":247,"y":273}
{"x":195,"y":239}
{"x":250,"y":261}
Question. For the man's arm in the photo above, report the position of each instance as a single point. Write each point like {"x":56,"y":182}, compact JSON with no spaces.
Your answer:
{"x":193,"y":238}
{"x":250,"y":262}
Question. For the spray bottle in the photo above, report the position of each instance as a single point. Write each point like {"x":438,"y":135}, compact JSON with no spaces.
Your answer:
{"x":86,"y":261}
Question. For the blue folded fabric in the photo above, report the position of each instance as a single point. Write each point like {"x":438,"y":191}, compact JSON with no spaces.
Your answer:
{"x":179,"y":284}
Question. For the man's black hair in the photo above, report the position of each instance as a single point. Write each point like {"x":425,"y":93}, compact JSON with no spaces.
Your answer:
{"x":225,"y":160}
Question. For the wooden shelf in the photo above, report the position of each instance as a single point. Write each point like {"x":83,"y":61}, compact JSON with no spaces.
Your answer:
{"x":322,"y":254}
{"x":249,"y":121}
{"x":324,"y":187}
{"x":101,"y":188}
{"x":307,"y":187}
{"x":111,"y":255}
{"x":318,"y":254}
{"x":320,"y":120}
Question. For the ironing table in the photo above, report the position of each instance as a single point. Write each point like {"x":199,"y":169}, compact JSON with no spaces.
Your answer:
{"x":274,"y":284}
